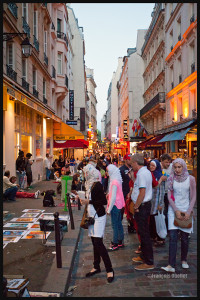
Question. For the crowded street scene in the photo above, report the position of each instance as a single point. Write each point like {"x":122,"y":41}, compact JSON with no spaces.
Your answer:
{"x":100,"y":162}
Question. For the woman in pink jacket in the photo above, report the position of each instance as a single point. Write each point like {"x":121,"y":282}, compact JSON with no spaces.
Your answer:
{"x":115,"y":204}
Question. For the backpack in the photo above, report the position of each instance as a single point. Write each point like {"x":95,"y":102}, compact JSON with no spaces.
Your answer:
{"x":48,"y":198}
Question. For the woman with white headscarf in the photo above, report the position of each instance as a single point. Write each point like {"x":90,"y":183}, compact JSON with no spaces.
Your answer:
{"x":182,"y":197}
{"x":115,"y":204}
{"x":96,"y":199}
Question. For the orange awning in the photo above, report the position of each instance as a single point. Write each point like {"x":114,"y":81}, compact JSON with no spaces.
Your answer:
{"x":62,"y":131}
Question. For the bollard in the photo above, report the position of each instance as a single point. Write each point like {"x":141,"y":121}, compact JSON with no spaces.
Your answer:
{"x":57,"y":240}
{"x":70,"y":212}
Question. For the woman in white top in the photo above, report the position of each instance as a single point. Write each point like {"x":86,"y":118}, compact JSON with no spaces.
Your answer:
{"x":96,"y":200}
{"x":182,"y":197}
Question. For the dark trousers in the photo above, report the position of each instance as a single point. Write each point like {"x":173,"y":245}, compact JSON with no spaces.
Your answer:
{"x":100,"y":251}
{"x":173,"y":239}
{"x":141,"y":219}
{"x":165,"y":212}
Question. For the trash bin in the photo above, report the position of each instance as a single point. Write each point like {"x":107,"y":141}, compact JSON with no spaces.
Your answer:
{"x":66,"y":183}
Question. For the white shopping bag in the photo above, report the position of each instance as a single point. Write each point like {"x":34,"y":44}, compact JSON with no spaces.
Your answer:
{"x":160,"y":225}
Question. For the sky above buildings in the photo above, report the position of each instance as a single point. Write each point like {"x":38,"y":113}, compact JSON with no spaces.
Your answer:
{"x":109,"y":29}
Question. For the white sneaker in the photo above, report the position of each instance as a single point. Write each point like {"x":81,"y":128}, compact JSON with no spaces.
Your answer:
{"x":168,"y":269}
{"x":37,"y":194}
{"x":185,"y":265}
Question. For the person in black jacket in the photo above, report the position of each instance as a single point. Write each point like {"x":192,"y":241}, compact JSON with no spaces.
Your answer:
{"x":96,"y":199}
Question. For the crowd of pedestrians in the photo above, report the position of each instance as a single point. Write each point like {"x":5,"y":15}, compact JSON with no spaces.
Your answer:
{"x":134,"y":186}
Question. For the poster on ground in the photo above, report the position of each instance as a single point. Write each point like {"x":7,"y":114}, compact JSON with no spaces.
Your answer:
{"x":13,"y":232}
{"x":35,"y":234}
{"x":18,"y":225}
{"x":27,"y":220}
{"x":33,"y":210}
{"x":11,"y":239}
{"x":29,"y":215}
{"x":34,"y":226}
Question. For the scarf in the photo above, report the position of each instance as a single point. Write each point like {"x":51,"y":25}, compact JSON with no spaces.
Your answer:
{"x":158,"y":171}
{"x":179,"y":178}
{"x":114,"y":173}
{"x":91,"y":175}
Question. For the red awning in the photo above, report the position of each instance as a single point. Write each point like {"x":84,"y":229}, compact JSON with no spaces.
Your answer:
{"x":154,"y":143}
{"x":141,"y":146}
{"x":79,"y":144}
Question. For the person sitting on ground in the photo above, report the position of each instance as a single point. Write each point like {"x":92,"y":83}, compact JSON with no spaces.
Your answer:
{"x":9,"y":189}
{"x":56,"y":166}
{"x":13,"y":179}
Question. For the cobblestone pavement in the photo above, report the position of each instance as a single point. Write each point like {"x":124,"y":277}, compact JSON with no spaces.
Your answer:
{"x":129,"y":282}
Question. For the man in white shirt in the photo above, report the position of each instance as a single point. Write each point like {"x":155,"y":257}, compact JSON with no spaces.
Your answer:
{"x":47,"y":166}
{"x":141,"y":196}
{"x":9,"y":189}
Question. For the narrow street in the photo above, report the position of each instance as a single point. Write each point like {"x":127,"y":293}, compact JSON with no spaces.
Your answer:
{"x":129,"y":282}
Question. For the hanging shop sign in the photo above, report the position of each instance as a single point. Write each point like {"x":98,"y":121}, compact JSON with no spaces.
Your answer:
{"x":71,"y":104}
{"x":138,"y":129}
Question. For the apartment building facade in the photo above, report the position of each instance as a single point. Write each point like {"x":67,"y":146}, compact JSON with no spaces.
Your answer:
{"x":36,"y":87}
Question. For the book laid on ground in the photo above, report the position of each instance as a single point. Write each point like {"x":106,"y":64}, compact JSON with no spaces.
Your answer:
{"x":16,"y":285}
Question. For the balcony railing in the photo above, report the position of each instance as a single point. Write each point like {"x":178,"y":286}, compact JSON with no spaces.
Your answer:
{"x":13,"y":8}
{"x":26,"y":27}
{"x":44,"y":100}
{"x":53,"y":74}
{"x":11,"y":73}
{"x":66,"y":81}
{"x":35,"y":92}
{"x":25,"y":84}
{"x":159,"y":98}
{"x":62,"y":35}
{"x":36,"y":43}
{"x":45,"y":59}
{"x":192,"y":68}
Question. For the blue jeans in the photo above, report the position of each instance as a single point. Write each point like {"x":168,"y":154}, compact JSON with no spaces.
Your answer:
{"x":173,"y":238}
{"x":11,"y":193}
{"x":48,"y":172}
{"x":21,"y":181}
{"x":118,"y":231}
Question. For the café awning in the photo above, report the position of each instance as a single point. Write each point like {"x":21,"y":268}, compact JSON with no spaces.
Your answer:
{"x":63,"y":132}
{"x":141,"y":146}
{"x":155,"y":143}
{"x":76,"y":144}
{"x":175,"y":136}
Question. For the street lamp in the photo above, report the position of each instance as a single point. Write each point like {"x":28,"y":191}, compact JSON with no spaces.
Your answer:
{"x":26,"y":46}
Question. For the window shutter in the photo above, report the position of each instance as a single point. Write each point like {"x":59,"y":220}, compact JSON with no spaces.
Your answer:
{"x":24,"y":69}
{"x":10,"y":55}
{"x":35,"y":79}
{"x":45,"y":42}
{"x":35,"y":24}
{"x":25,"y":11}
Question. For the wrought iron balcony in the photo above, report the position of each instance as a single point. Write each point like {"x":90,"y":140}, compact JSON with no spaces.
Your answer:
{"x":25,"y":84}
{"x":35,"y":92}
{"x":11,"y":73}
{"x":52,"y":26}
{"x":13,"y":9}
{"x":36,"y":43}
{"x":62,"y":35}
{"x":66,"y":81}
{"x":26,"y":27}
{"x":45,"y":59}
{"x":44,"y":100}
{"x":159,"y":98}
{"x":53,"y":74}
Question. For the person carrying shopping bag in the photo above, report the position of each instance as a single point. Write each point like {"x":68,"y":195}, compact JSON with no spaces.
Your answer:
{"x":182,"y":197}
{"x":115,"y":204}
{"x":95,"y":201}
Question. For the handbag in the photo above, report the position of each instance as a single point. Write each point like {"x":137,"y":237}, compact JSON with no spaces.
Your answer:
{"x":183,"y":223}
{"x":161,"y":225}
{"x":87,"y":221}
